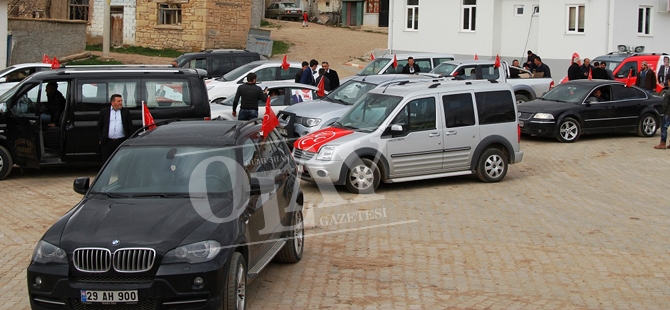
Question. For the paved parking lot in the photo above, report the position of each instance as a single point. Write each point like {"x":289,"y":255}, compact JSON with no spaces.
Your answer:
{"x":581,"y":225}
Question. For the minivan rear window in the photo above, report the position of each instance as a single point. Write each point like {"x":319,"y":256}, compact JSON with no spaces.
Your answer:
{"x":495,"y":107}
{"x":167,"y":93}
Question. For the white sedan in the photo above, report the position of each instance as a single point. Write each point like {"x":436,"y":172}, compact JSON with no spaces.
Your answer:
{"x":282,"y":95}
{"x":266,"y":71}
{"x":14,"y":74}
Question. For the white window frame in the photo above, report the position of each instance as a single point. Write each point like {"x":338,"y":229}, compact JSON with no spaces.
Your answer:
{"x":472,"y":24}
{"x":412,"y":11}
{"x":516,"y":10}
{"x":645,"y":31}
{"x":578,"y":8}
{"x":169,"y":14}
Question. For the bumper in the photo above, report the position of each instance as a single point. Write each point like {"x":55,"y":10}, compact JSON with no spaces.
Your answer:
{"x":539,"y":128}
{"x":318,"y":171}
{"x":171,"y":288}
{"x":518,"y":157}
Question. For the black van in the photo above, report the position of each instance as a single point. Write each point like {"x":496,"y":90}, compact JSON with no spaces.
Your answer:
{"x":26,"y":141}
{"x":217,"y":62}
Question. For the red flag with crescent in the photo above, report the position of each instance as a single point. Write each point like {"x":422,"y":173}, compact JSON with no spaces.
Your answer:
{"x":270,"y":120}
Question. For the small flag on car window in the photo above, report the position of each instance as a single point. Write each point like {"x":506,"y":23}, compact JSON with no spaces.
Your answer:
{"x":284,"y":63}
{"x":147,"y":119}
{"x":55,"y":64}
{"x":270,"y":120}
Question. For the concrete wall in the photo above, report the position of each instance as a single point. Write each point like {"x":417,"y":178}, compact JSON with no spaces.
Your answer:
{"x":33,"y":37}
{"x":96,"y":12}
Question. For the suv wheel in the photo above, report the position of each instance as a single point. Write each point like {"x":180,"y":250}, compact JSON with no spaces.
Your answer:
{"x":292,"y":251}
{"x":521,"y":98}
{"x":363,"y":176}
{"x":492,"y":165}
{"x":6,"y":162}
{"x":647,"y":125}
{"x":235,"y":289}
{"x":568,"y":130}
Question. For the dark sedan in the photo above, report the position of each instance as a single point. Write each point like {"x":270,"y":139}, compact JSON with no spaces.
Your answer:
{"x":598,"y":106}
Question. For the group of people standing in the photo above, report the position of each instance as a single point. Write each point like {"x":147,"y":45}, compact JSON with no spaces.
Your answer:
{"x":597,"y":70}
{"x":310,"y":76}
{"x":534,"y":64}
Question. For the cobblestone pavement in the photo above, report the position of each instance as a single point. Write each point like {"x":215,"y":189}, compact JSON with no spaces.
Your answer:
{"x":574,"y":226}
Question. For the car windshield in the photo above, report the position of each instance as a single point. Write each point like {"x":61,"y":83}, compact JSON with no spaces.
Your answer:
{"x":4,"y":71}
{"x":572,"y":93}
{"x":369,"y":112}
{"x":374,"y":67}
{"x":239,"y":72}
{"x":444,"y":69}
{"x":350,"y":91}
{"x":288,"y":5}
{"x":9,"y":93}
{"x":167,"y":171}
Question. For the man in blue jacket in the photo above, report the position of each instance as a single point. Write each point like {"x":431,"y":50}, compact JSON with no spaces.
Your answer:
{"x":308,"y":73}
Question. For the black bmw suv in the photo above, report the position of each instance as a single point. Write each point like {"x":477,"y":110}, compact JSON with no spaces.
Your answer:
{"x":182,"y":216}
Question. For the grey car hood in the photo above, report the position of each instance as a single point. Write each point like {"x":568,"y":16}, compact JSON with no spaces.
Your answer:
{"x":315,"y":108}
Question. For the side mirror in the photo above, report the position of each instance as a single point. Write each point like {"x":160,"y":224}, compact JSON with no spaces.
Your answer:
{"x":81,"y":185}
{"x":396,"y":128}
{"x":261,"y":185}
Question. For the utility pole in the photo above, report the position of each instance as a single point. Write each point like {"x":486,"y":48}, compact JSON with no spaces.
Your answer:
{"x":106,"y":30}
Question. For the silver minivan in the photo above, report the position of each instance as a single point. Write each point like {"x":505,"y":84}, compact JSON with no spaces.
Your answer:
{"x":384,"y":64}
{"x":414,"y":132}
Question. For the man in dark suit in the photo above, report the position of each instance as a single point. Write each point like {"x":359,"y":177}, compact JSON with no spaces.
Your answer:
{"x":598,"y":72}
{"x":575,"y":70}
{"x":296,"y":97}
{"x":114,"y":126}
{"x":664,"y":72}
{"x":646,"y":78}
{"x":540,"y":67}
{"x":298,"y":75}
{"x":326,"y":81}
{"x":331,"y":75}
{"x":411,"y":67}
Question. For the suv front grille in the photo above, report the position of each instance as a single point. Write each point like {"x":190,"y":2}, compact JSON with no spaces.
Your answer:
{"x":92,"y":259}
{"x":134,"y":259}
{"x":105,"y":279}
{"x":99,"y":260}
{"x":525,"y":115}
{"x":304,"y":155}
{"x":143,"y":304}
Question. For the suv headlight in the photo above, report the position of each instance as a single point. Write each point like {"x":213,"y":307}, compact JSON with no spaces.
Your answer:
{"x":310,"y":122}
{"x":326,"y":153}
{"x":3,"y":107}
{"x":46,"y":252}
{"x":543,"y":116}
{"x":193,"y":253}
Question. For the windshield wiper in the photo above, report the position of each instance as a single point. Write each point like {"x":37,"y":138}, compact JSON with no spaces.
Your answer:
{"x":110,"y":195}
{"x":340,"y":101}
{"x":161,"y":195}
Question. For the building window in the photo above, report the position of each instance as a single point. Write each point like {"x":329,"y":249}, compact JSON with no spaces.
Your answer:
{"x":412,"y":15}
{"x":373,"y":6}
{"x":644,"y":20}
{"x":78,"y":9}
{"x":575,"y":19}
{"x":469,"y":15}
{"x":169,"y":14}
{"x":518,"y":10}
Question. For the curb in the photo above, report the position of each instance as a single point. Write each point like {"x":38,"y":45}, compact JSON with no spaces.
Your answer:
{"x":354,"y":65}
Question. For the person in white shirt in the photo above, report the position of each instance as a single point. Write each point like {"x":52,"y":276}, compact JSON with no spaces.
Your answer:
{"x":114,"y":126}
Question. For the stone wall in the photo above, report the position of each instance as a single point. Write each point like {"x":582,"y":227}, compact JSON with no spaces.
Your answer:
{"x":227,"y":23}
{"x":31,"y":38}
{"x":188,"y":36}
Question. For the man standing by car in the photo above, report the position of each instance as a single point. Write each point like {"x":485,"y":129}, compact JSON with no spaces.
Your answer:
{"x":251,"y":94}
{"x":540,"y":67}
{"x":331,"y":75}
{"x":113,"y":126}
{"x":575,"y":72}
{"x":586,"y":67}
{"x":298,"y":75}
{"x":664,"y":72}
{"x":411,"y":67}
{"x":665,"y":123}
{"x":646,"y":78}
{"x":308,"y":73}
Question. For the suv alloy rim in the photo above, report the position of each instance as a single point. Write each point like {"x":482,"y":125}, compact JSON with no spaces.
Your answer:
{"x":494,"y":166}
{"x":648,"y":125}
{"x":298,"y":232}
{"x":2,"y":163}
{"x":568,"y":131}
{"x":362,"y":177}
{"x":241,"y":287}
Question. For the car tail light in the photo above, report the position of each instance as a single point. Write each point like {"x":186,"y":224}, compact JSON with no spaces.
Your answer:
{"x":208,"y":118}
{"x":299,"y":11}
{"x":518,"y":128}
{"x":551,"y":85}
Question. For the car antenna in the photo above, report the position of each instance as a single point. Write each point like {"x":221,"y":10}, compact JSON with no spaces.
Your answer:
{"x":389,"y":83}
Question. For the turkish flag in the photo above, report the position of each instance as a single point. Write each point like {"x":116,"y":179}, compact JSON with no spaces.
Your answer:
{"x":321,"y":88}
{"x":372,"y":56}
{"x":630,"y":75}
{"x":476,"y":57}
{"x":45,"y":59}
{"x":284,"y":63}
{"x":497,"y":63}
{"x":575,"y":55}
{"x":395,"y":62}
{"x":147,"y":119}
{"x":270,"y":120}
{"x":55,"y":64}
{"x":590,"y":74}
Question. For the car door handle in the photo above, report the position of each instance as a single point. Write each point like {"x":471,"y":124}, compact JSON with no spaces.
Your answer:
{"x":450,"y":133}
{"x":434,"y":134}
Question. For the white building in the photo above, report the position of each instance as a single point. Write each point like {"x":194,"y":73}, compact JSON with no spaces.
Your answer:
{"x":553,"y":29}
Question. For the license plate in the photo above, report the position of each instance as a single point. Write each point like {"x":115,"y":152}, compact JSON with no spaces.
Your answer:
{"x":282,"y":131}
{"x":108,"y":296}
{"x":521,"y":123}
{"x":301,"y":169}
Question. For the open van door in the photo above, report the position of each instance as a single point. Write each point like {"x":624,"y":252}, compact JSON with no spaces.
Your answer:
{"x":24,"y":126}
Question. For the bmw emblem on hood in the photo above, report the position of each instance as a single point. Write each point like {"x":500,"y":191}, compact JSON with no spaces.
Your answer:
{"x":115,"y":242}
